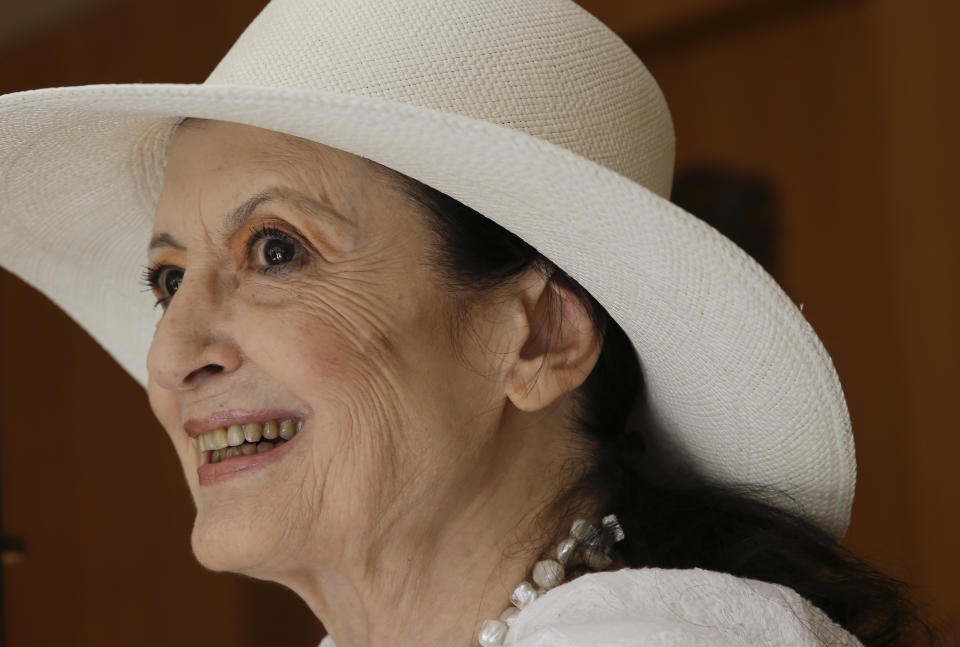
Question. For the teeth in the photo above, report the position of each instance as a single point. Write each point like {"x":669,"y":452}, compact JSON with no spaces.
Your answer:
{"x":246,"y":449}
{"x":235,"y":435}
{"x":253,"y":432}
{"x":271,"y":430}
{"x":218,"y":439}
{"x":244,"y":440}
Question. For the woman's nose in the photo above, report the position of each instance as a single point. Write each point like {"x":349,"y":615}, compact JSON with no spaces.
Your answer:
{"x":191,"y":346}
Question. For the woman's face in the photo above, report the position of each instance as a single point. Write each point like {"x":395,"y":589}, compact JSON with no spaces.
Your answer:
{"x":297,"y":286}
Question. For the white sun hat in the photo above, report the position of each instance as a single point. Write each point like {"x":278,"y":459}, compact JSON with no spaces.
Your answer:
{"x":533,"y":113}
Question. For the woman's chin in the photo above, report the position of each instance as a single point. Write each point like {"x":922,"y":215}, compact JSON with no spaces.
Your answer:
{"x":221,"y":546}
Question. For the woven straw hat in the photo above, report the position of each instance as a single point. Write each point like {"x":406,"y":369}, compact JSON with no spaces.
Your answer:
{"x":530,"y":111}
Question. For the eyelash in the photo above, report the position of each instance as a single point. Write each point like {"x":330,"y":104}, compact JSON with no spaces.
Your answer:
{"x":152,"y":274}
{"x":151,"y":280}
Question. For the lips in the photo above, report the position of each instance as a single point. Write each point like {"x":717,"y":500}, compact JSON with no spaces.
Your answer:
{"x":233,"y":443}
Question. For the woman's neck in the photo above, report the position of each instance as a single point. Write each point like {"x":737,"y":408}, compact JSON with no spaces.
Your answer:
{"x":433,"y":577}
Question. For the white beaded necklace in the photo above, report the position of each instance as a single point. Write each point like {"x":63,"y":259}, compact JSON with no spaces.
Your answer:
{"x":586,"y":545}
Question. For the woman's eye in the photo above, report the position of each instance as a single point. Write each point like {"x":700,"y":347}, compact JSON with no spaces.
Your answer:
{"x":278,"y":252}
{"x":271,"y":247}
{"x":163,"y":281}
{"x":170,"y":280}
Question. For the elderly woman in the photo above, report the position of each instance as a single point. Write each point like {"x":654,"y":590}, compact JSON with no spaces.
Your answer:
{"x":581,"y":418}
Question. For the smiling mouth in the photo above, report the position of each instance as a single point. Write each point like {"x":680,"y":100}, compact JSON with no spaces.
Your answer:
{"x":250,"y":438}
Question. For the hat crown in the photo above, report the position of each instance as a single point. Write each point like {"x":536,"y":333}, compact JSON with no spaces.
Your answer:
{"x":543,"y":67}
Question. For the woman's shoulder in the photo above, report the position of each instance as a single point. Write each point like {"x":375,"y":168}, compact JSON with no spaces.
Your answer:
{"x":667,"y":608}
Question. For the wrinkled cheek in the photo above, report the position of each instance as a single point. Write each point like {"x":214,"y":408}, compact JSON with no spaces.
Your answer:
{"x":320,"y":344}
{"x":360,"y":423}
{"x":336,"y":356}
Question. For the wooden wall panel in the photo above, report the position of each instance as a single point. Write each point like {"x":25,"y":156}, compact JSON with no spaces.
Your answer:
{"x":19,"y":20}
{"x":919,"y":55}
{"x":636,"y":20}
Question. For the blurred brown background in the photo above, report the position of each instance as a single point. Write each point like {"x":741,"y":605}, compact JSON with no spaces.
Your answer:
{"x":834,"y":122}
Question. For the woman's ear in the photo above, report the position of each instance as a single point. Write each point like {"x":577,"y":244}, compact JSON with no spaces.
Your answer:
{"x":560,"y":348}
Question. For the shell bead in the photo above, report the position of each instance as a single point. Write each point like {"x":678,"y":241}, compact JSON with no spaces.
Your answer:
{"x":612,"y":525}
{"x":585,"y":545}
{"x":523,"y":595}
{"x":583,"y":531}
{"x":492,"y":633}
{"x":509,"y":615}
{"x":597,"y":560}
{"x":548,"y":573}
{"x":566,"y":550}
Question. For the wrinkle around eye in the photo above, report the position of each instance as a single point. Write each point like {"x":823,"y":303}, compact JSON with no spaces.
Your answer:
{"x":316,"y":240}
{"x":314,"y":224}
{"x":286,"y":283}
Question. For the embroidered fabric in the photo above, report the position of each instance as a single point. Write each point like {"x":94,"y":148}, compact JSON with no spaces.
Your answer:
{"x":671,"y":608}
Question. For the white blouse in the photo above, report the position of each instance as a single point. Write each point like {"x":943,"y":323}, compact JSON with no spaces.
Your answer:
{"x":671,"y":608}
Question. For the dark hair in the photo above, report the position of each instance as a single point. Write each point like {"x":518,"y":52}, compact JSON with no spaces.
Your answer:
{"x":695,"y":525}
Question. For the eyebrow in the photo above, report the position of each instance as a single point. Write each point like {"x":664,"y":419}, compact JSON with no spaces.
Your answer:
{"x":242,"y":214}
{"x":164,"y":240}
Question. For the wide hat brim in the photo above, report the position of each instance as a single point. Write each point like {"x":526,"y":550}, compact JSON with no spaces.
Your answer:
{"x":740,"y":388}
